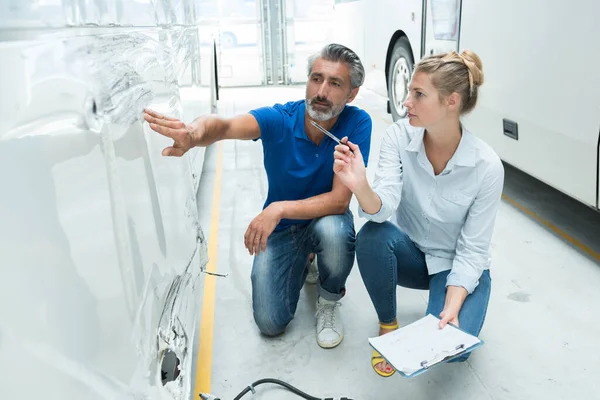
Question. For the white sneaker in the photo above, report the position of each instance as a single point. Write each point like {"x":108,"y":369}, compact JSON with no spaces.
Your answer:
{"x":330,"y":332}
{"x":313,"y":271}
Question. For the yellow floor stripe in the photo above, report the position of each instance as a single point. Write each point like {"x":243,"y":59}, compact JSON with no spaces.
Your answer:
{"x":204,"y":362}
{"x":582,"y":246}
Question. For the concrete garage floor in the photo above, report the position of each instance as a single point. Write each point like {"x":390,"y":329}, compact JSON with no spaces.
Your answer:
{"x":542,"y":326}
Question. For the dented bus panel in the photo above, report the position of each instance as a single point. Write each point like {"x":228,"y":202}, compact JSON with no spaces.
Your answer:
{"x":100,"y":245}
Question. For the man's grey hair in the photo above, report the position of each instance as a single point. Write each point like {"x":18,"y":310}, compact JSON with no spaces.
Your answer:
{"x":338,"y":53}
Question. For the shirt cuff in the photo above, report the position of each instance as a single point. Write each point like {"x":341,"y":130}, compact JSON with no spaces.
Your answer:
{"x":463,"y":280}
{"x":379,"y":216}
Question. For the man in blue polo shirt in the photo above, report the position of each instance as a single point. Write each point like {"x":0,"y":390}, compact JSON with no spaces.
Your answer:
{"x":306,"y":210}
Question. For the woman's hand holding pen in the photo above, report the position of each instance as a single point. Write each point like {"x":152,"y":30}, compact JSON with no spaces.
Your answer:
{"x":349,"y":165}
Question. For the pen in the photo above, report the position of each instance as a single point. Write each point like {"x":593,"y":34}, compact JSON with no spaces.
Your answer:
{"x":325,"y":131}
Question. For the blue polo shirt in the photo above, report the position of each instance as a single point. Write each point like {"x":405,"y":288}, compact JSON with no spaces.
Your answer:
{"x":296,"y":167}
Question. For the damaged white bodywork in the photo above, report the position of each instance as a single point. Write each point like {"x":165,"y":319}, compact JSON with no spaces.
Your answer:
{"x":100,"y":246}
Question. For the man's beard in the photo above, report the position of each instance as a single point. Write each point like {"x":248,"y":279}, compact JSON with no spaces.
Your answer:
{"x":333,"y":111}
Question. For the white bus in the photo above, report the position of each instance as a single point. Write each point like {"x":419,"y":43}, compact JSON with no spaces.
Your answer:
{"x":101,"y":248}
{"x":540,"y":103}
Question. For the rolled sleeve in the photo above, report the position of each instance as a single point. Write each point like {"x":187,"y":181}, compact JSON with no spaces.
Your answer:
{"x":380,"y":216}
{"x":473,"y":245}
{"x":388,"y":179}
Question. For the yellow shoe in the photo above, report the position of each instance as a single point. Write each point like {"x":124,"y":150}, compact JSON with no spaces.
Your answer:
{"x":376,"y":358}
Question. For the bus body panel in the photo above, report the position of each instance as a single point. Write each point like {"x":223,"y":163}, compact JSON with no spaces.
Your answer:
{"x":540,"y":68}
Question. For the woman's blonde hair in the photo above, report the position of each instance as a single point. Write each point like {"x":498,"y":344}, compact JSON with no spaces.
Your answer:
{"x":452,"y":72}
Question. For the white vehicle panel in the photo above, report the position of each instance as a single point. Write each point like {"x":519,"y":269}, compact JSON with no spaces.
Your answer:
{"x":100,"y":246}
{"x":541,"y":75}
{"x":539,"y":62}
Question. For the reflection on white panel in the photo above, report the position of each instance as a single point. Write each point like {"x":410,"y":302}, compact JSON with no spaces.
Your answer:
{"x":100,"y":246}
{"x":443,"y":26}
{"x":58,"y":13}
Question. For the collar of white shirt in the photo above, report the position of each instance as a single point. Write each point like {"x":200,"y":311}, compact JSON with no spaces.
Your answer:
{"x":464,"y":155}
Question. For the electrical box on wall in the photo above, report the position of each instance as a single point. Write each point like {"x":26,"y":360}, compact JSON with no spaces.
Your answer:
{"x":511,"y":129}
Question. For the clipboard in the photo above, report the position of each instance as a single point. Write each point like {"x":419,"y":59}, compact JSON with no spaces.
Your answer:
{"x":415,"y":348}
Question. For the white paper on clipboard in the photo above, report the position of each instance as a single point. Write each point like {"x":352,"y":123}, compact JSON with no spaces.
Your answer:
{"x":422,"y":344}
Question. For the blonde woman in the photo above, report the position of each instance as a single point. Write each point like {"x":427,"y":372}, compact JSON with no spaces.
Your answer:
{"x":442,"y":186}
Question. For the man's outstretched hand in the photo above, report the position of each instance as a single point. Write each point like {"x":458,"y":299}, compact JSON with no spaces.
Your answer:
{"x":181,"y":133}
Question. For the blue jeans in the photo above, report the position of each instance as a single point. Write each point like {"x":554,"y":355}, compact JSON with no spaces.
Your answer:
{"x":278,"y":274}
{"x":387,"y":257}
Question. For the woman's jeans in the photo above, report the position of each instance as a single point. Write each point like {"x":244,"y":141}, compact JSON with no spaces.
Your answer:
{"x":387,"y":257}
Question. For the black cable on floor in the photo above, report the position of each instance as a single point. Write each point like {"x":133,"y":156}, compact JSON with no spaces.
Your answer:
{"x":287,"y":386}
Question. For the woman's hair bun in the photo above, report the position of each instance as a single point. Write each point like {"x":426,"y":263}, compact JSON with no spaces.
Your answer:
{"x":475,"y":66}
